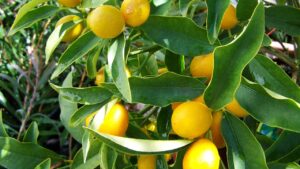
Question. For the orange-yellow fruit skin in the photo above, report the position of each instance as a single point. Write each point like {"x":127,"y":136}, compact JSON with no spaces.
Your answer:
{"x":202,"y":66}
{"x":69,"y":3}
{"x":115,"y":121}
{"x":216,"y":130}
{"x":229,"y":20}
{"x":106,"y":21}
{"x":162,"y":70}
{"x":202,"y":154}
{"x":74,"y":32}
{"x":135,"y":12}
{"x":147,"y":162}
{"x":197,"y":99}
{"x":235,"y":108}
{"x":100,"y":77}
{"x":191,"y":119}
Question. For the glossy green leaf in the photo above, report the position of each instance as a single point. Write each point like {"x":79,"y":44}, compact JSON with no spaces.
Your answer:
{"x":161,"y":10}
{"x":286,"y":143}
{"x":84,"y":95}
{"x":32,"y":17}
{"x":174,"y":62}
{"x":91,"y":62}
{"x":67,"y":110}
{"x":164,"y":122}
{"x":178,"y":34}
{"x":16,"y":155}
{"x":245,"y":9}
{"x":108,"y":157}
{"x":46,"y":164}
{"x":56,"y":37}
{"x":243,"y":150}
{"x":117,"y":65}
{"x":267,"y":40}
{"x":284,"y":18}
{"x":184,"y":5}
{"x":269,"y":107}
{"x":231,"y":59}
{"x":148,"y":65}
{"x":32,"y":133}
{"x":93,"y":158}
{"x":283,"y":166}
{"x":140,"y":146}
{"x":267,"y":73}
{"x":165,"y":89}
{"x":92,"y":3}
{"x":264,"y":141}
{"x":24,"y":10}
{"x":216,"y":10}
{"x":86,"y":145}
{"x":2,"y":129}
{"x":76,"y":50}
{"x":292,"y":156}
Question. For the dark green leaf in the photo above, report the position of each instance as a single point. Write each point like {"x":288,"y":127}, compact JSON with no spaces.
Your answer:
{"x":150,"y":65}
{"x":245,"y":9}
{"x":178,"y":34}
{"x":216,"y":10}
{"x":108,"y":157}
{"x":164,"y":122}
{"x":32,"y":133}
{"x":179,"y":159}
{"x":264,"y":141}
{"x":46,"y":164}
{"x":161,"y":162}
{"x":243,"y":149}
{"x":76,"y":50}
{"x":174,"y":62}
{"x":2,"y":129}
{"x":267,"y":40}
{"x":283,"y":166}
{"x":165,"y":89}
{"x":231,"y":59}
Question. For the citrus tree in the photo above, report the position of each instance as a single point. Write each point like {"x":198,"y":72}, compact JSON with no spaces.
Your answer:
{"x":174,"y":84}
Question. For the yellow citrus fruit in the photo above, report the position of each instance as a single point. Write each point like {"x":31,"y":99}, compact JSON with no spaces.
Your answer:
{"x":229,"y":19}
{"x":115,"y":121}
{"x":202,"y":66}
{"x":74,"y":32}
{"x":202,"y":154}
{"x":106,"y":21}
{"x":216,"y":130}
{"x":235,"y":108}
{"x":191,"y":119}
{"x":197,"y":99}
{"x":162,"y":70}
{"x":69,"y":3}
{"x":147,"y":162}
{"x":135,"y":12}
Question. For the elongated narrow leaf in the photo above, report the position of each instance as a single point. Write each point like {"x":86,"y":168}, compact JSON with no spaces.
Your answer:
{"x":2,"y":129}
{"x":67,"y":109}
{"x":216,"y":10}
{"x":25,"y":9}
{"x":76,"y":50}
{"x":108,"y":157}
{"x":280,"y":148}
{"x":285,"y":18}
{"x":165,"y":89}
{"x":245,"y":9}
{"x":231,"y":59}
{"x":243,"y":150}
{"x":32,"y":17}
{"x":46,"y":164}
{"x":283,"y":166}
{"x":178,"y":34}
{"x":269,"y":107}
{"x":86,"y":95}
{"x":140,"y":146}
{"x":117,"y":65}
{"x":32,"y":133}
{"x":56,"y":37}
{"x":16,"y":155}
{"x":91,"y":62}
{"x":267,"y":73}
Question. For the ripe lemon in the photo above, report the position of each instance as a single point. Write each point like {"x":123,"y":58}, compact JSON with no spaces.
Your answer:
{"x":202,"y":154}
{"x":106,"y":21}
{"x":115,"y":121}
{"x":135,"y":12}
{"x":229,"y":19}
{"x":235,"y":108}
{"x":69,"y":3}
{"x":147,"y":162}
{"x":202,"y":66}
{"x":72,"y":33}
{"x":216,"y":130}
{"x":191,"y":119}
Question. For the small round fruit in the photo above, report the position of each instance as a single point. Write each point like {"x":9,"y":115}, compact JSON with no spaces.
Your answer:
{"x":115,"y":121}
{"x":202,"y":66}
{"x":229,"y":20}
{"x":191,"y":119}
{"x":202,"y":154}
{"x":69,"y":3}
{"x":74,"y":32}
{"x":106,"y":21}
{"x":147,"y":162}
{"x":235,"y":108}
{"x":216,"y":130}
{"x":135,"y":12}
